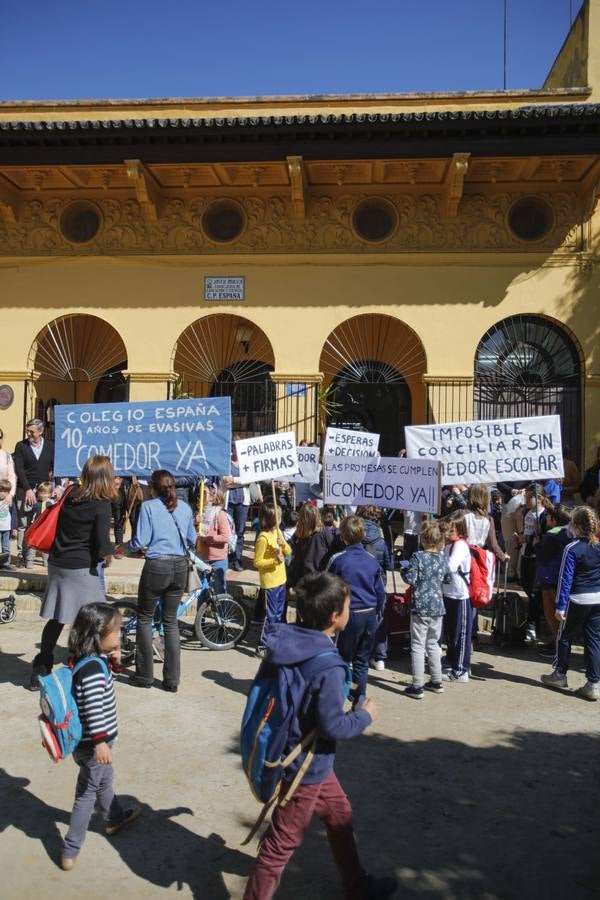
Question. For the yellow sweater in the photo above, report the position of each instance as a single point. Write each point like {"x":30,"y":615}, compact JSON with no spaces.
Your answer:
{"x":271,"y":571}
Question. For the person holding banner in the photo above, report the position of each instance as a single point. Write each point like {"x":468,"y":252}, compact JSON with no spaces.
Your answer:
{"x":269,"y":552}
{"x":166,"y":530}
{"x":81,"y":547}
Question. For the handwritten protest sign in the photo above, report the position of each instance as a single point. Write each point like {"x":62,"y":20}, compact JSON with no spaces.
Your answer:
{"x":345,"y":442}
{"x":385,"y":481}
{"x":186,"y":437}
{"x":308,"y":462}
{"x":490,"y":450}
{"x":268,"y":457}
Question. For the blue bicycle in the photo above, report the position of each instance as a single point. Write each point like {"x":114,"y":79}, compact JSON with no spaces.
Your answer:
{"x":218,"y":621}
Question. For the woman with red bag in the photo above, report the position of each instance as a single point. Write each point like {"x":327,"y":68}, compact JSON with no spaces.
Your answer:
{"x":82,"y":544}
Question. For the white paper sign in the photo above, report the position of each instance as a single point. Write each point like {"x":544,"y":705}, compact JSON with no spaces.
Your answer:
{"x":272,"y":456}
{"x":308,"y":460}
{"x":345,"y":442}
{"x":490,"y":450}
{"x":386,"y":481}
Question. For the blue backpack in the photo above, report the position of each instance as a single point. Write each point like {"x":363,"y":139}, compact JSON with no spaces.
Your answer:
{"x":60,"y":724}
{"x":274,"y":700}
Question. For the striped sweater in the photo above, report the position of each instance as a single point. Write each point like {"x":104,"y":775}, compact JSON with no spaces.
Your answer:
{"x":95,"y":698}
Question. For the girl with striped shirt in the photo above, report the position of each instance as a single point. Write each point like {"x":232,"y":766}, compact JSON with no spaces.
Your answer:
{"x":96,"y":635}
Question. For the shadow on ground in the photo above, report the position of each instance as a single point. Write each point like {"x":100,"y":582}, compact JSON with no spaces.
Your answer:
{"x":517,"y":820}
{"x":158,"y":849}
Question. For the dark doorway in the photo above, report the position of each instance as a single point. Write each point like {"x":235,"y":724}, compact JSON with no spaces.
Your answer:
{"x":371,"y":396}
{"x":113,"y":387}
{"x":252,"y":399}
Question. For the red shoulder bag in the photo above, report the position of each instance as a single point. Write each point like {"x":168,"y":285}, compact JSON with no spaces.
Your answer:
{"x":41,"y":534}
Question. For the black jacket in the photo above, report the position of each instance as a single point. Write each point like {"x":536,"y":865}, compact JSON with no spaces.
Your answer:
{"x":31,"y":471}
{"x":590,"y":483}
{"x":82,"y":534}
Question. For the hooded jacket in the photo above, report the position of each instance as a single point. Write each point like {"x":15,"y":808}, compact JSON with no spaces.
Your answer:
{"x":362,"y":573}
{"x":323,"y":704}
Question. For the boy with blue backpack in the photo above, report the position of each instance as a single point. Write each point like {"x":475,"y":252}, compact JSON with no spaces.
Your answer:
{"x":293,"y":718}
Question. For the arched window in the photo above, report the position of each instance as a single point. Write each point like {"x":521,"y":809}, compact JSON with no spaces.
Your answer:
{"x":227,"y":355}
{"x":371,"y":396}
{"x":372,"y":366}
{"x":529,"y":366}
{"x":76,"y":358}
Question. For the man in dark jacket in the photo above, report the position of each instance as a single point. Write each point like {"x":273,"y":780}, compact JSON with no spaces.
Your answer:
{"x":591,"y":481}
{"x":34,"y":464}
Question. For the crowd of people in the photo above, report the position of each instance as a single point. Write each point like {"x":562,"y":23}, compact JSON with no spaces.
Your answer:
{"x":332,"y":564}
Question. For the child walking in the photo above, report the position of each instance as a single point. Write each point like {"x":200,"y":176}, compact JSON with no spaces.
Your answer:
{"x":43,"y":493}
{"x":323,"y":604}
{"x":363,"y":575}
{"x":269,"y":559}
{"x":96,"y":633}
{"x":427,"y":571}
{"x":578,"y":604}
{"x":5,"y":522}
{"x":459,"y":615}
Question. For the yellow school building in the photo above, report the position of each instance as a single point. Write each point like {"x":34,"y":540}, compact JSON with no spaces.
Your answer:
{"x":365,"y":260}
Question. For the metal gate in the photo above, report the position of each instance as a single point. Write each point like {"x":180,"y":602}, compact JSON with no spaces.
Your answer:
{"x":530,"y":366}
{"x":371,"y":396}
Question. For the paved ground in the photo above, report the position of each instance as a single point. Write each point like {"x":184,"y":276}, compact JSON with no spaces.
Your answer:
{"x":489,"y":791}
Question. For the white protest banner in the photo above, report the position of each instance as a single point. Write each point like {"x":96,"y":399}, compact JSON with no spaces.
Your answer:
{"x":491,"y":450}
{"x":345,"y":442}
{"x":267,"y":457}
{"x":308,"y":461}
{"x":386,"y":481}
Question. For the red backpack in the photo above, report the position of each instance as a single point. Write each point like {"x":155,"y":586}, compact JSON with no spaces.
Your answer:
{"x":481,"y":581}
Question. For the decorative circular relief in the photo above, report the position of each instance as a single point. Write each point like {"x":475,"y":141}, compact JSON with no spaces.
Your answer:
{"x":224,"y":221}
{"x":7,"y":395}
{"x":80,"y":222}
{"x":530,"y":219}
{"x":375,"y":220}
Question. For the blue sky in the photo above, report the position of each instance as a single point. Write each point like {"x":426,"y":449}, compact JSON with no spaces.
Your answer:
{"x":187,"y":48}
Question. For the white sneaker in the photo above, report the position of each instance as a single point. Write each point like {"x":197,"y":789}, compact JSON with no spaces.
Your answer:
{"x":590,"y":691}
{"x":530,"y":635}
{"x":464,"y":677}
{"x":555,"y":680}
{"x":378,"y":664}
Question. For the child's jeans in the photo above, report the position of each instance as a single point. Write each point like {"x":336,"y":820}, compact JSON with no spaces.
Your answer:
{"x":425,"y":632}
{"x":94,"y":787}
{"x":275,"y":608}
{"x":329,"y":802}
{"x":355,"y":644}
{"x":5,"y":539}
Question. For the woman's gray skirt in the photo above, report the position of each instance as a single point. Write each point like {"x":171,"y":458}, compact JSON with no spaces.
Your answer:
{"x":67,"y":591}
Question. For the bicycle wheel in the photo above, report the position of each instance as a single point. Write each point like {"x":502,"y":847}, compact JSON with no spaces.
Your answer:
{"x":221,"y":622}
{"x":128,"y":611}
{"x":8,"y":613}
